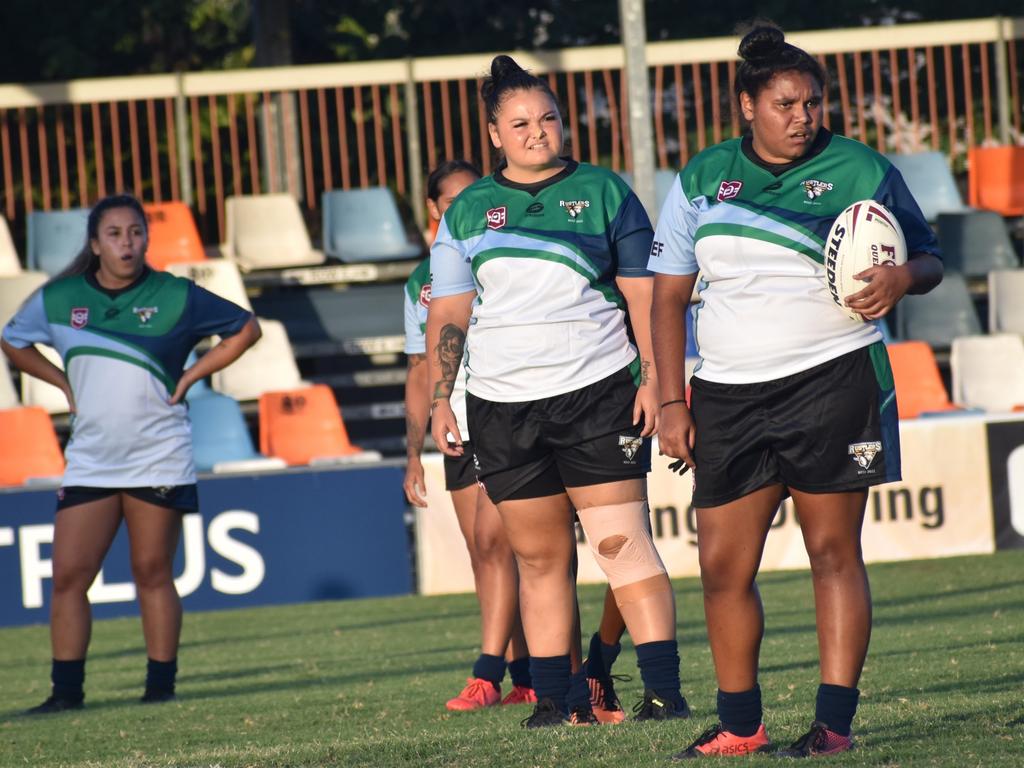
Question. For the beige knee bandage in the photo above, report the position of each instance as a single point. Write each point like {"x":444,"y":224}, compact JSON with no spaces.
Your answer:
{"x":619,"y":535}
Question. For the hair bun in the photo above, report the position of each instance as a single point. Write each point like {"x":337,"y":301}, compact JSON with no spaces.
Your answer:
{"x":762,"y":42}
{"x":502,"y":66}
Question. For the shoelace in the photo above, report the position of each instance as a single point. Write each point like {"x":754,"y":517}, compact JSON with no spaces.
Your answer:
{"x":645,"y":702}
{"x":707,"y":737}
{"x":816,"y":737}
{"x":546,"y":707}
{"x":609,"y":698}
{"x":473,"y":689}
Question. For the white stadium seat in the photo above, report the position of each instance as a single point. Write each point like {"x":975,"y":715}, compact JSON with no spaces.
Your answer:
{"x":267,"y":232}
{"x":268,"y":366}
{"x":218,"y":276}
{"x":14,"y":289}
{"x":9,"y":263}
{"x":37,"y":392}
{"x":988,"y":372}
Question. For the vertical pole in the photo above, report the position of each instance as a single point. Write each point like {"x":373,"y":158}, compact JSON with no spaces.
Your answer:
{"x":413,"y":149}
{"x":641,"y":133}
{"x":184,"y":151}
{"x":1002,"y":82}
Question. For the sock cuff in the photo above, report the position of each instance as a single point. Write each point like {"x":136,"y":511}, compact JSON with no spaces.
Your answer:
{"x":490,"y":668}
{"x":839,"y":692}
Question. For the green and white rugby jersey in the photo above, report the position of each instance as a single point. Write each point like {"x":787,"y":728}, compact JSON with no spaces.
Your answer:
{"x":124,"y":352}
{"x":543,"y":259}
{"x":756,"y":234}
{"x":417,"y":302}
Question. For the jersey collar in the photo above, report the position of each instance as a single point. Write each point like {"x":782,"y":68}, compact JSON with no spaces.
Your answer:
{"x":821,"y":141}
{"x":536,"y":187}
{"x":113,"y":293}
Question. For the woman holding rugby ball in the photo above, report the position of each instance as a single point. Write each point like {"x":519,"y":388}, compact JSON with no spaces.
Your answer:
{"x":790,"y":392}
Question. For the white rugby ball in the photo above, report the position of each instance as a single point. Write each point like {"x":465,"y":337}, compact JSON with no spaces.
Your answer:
{"x":864,"y":235}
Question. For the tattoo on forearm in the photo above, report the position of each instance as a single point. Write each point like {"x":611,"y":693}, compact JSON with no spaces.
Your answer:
{"x":645,"y":366}
{"x":415,"y":360}
{"x":414,"y":435}
{"x":449,"y":355}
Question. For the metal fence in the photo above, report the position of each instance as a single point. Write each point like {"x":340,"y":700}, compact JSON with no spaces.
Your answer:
{"x":201,"y":137}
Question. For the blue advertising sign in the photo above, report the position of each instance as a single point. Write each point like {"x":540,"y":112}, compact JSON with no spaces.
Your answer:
{"x":263,"y":539}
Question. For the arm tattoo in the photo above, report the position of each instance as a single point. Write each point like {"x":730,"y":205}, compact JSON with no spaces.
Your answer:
{"x":415,"y":360}
{"x":449,"y":355}
{"x":414,"y":435}
{"x":645,"y":366}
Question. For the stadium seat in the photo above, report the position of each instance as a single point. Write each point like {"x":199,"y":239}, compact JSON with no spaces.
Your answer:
{"x":302,"y":425}
{"x":28,"y":446}
{"x":919,"y":387}
{"x":362,"y":225}
{"x":8,"y":394}
{"x":267,"y":232}
{"x":995,"y":179}
{"x":55,"y":238}
{"x":220,"y":437}
{"x":988,"y":372}
{"x":267,"y":366}
{"x":930,"y":182}
{"x":218,"y":276}
{"x":975,"y":242}
{"x":14,"y":289}
{"x":37,"y":392}
{"x":940,"y":315}
{"x":1006,"y":301}
{"x":9,"y":263}
{"x":173,"y":237}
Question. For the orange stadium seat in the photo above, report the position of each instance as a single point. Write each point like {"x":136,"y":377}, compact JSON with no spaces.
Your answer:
{"x":28,"y":446}
{"x":995,"y":179}
{"x":173,"y":237}
{"x":919,"y":387}
{"x":303,"y":425}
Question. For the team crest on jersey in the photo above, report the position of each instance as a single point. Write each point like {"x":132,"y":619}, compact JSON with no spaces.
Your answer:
{"x":574,"y":207}
{"x":864,"y":454}
{"x":425,"y":295}
{"x":816,"y":189}
{"x":79,"y":317}
{"x":630,"y":445}
{"x":727,"y":190}
{"x":145,"y":313}
{"x":496,"y":217}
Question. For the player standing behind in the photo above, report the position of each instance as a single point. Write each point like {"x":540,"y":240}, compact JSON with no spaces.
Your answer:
{"x":547,"y":255}
{"x":494,"y":566}
{"x":124,"y":332}
{"x":788,"y":385}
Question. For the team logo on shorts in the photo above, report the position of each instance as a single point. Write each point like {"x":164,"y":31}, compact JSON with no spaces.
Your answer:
{"x":425,"y":295}
{"x":727,"y":190}
{"x":79,"y":317}
{"x":145,"y":313}
{"x":630,"y":445}
{"x":496,"y":218}
{"x":864,"y":453}
{"x":574,"y":207}
{"x":815,"y":188}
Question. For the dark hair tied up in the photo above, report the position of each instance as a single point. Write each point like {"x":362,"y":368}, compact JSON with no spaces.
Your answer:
{"x":765,"y":54}
{"x":507,"y":76}
{"x":443,"y":171}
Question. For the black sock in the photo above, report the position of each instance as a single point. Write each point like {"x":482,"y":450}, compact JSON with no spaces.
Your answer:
{"x":519,"y":671}
{"x":490,"y":668}
{"x":659,"y":669}
{"x":740,"y":713}
{"x":67,"y":678}
{"x":160,"y":675}
{"x":579,"y":691}
{"x":601,"y":656}
{"x":836,"y":707}
{"x":550,"y":676}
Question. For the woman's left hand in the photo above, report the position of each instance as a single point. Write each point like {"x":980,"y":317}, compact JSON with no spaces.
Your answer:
{"x":645,"y":408}
{"x":886,"y":285}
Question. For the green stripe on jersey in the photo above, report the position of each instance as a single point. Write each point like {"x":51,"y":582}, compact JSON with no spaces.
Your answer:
{"x":609,"y":293}
{"x":101,"y":352}
{"x":742,"y":230}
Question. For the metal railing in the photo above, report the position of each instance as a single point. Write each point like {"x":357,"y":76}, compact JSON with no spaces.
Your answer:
{"x":201,"y":137}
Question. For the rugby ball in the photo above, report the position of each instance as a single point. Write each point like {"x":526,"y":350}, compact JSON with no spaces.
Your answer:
{"x":864,"y":235}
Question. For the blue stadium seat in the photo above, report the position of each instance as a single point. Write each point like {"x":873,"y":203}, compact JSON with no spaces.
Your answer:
{"x":55,"y":238}
{"x":939,"y":316}
{"x":975,"y":242}
{"x":930,"y":181}
{"x":219,"y":432}
{"x":363,"y":225}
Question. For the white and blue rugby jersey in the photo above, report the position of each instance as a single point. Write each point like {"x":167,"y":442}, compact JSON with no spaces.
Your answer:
{"x":543,"y":258}
{"x":124,"y":352}
{"x":756,"y":233}
{"x":417,"y":302}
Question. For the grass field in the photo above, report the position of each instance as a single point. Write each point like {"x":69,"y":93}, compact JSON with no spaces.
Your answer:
{"x":362,"y":683}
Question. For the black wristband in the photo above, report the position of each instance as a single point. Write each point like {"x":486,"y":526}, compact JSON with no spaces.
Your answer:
{"x":673,"y":402}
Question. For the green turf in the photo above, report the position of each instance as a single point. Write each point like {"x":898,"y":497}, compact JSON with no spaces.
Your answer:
{"x":362,"y":683}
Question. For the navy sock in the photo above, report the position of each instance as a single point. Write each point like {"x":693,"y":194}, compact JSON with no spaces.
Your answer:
{"x":659,"y":668}
{"x":160,"y":675}
{"x":601,"y":656}
{"x":519,"y":670}
{"x":490,"y":668}
{"x":579,"y":691}
{"x":67,"y":678}
{"x":740,"y":713}
{"x":551,"y":678}
{"x":836,"y":707}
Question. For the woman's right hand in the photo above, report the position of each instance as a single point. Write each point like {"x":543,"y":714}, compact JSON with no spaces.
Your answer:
{"x":677,"y":433}
{"x":415,"y":485}
{"x":69,"y":395}
{"x":442,"y":422}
